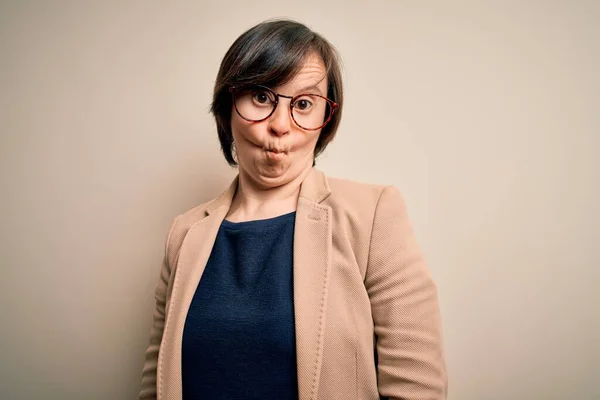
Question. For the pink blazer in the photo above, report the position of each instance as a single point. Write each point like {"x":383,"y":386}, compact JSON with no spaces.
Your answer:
{"x":366,"y":310}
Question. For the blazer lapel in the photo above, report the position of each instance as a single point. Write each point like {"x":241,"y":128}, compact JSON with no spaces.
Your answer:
{"x":193,"y":256}
{"x":312,"y":265}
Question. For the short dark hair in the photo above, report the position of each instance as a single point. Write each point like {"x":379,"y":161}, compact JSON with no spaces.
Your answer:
{"x":271,"y":54}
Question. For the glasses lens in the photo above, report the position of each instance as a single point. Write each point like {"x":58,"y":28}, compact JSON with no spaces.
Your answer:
{"x":311,"y":111}
{"x":254,"y":103}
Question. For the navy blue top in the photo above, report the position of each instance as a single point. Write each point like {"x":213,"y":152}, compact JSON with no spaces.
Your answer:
{"x":239,"y":337}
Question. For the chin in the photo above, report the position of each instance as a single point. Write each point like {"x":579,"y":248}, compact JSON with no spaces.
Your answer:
{"x":270,"y":175}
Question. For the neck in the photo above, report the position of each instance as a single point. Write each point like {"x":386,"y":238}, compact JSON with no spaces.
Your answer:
{"x":252,"y":202}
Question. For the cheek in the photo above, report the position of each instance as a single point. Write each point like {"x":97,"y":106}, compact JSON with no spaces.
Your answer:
{"x":311,"y":139}
{"x":242,"y":129}
{"x":236,"y":126}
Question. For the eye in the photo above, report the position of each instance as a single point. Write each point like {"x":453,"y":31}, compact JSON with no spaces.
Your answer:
{"x":261,"y":97}
{"x":303,"y":104}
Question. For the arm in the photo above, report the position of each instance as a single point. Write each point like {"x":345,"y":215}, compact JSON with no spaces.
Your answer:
{"x":148,"y":390}
{"x":405,"y":308}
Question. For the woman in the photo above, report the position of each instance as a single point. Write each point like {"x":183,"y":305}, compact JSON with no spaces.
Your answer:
{"x":291,"y":284}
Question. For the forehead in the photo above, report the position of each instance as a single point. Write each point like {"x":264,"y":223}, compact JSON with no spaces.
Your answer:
{"x":311,"y":74}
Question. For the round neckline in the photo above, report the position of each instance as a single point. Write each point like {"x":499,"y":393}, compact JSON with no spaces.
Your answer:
{"x":256,"y":222}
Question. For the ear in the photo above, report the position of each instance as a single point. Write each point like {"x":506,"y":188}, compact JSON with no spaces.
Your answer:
{"x":234,"y":152}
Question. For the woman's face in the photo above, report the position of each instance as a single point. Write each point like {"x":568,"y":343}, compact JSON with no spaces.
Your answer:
{"x":275,"y":151}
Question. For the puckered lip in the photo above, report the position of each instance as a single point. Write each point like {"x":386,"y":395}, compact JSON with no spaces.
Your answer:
{"x":276,"y":150}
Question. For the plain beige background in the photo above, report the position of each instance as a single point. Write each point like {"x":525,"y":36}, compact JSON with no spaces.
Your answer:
{"x":484,"y":113}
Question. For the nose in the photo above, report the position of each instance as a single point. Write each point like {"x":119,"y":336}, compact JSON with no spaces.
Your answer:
{"x":280,"y":121}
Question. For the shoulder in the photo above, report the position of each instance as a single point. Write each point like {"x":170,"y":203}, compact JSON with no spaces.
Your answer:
{"x":361,"y":196}
{"x":182,"y":224}
{"x":345,"y":185}
{"x":359,"y":203}
{"x":190,"y":217}
{"x":358,"y":209}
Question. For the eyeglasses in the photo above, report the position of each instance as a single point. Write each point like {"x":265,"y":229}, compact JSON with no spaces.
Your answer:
{"x":256,"y":103}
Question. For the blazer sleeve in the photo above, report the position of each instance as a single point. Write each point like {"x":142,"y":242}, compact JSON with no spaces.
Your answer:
{"x":405,"y":308}
{"x":148,"y":389}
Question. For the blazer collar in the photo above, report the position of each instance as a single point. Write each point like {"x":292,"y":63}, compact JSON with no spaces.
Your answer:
{"x":312,"y":270}
{"x":315,"y":186}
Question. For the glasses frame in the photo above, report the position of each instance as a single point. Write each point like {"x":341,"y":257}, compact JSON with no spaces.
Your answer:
{"x":332,"y":104}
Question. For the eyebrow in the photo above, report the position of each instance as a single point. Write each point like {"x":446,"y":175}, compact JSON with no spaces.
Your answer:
{"x":306,"y":89}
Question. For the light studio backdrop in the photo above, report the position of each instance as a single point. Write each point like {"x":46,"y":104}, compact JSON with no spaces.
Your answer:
{"x":485,"y":114}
